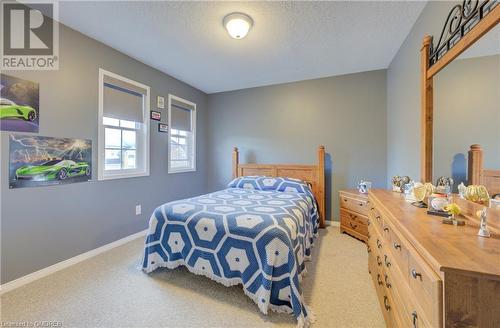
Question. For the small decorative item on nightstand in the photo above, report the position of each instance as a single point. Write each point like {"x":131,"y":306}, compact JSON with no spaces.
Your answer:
{"x":354,"y":213}
{"x":364,"y":186}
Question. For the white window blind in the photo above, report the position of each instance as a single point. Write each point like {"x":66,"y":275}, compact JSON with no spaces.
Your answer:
{"x":182,"y":140}
{"x":122,"y":103}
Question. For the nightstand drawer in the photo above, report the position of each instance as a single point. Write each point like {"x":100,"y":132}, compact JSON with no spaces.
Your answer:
{"x":353,"y":222}
{"x":353,"y":204}
{"x":354,"y":217}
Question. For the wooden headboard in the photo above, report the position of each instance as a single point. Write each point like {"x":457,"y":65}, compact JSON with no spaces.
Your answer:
{"x":478,"y":175}
{"x":313,"y":174}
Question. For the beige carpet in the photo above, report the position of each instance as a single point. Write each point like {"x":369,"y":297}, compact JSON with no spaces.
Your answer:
{"x":109,"y":291}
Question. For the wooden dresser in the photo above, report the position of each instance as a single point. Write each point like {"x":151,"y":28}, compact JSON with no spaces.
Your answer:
{"x":354,"y":213}
{"x":429,"y":274}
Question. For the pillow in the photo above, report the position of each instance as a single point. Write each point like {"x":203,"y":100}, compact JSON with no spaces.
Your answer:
{"x":265,"y":183}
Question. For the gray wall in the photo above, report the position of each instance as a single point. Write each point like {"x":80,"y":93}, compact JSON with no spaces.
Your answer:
{"x":45,"y":225}
{"x":466,"y":111}
{"x":403,"y":93}
{"x":286,"y":123}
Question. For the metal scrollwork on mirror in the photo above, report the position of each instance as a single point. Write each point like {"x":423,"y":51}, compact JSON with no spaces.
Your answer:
{"x":465,"y":24}
{"x":461,"y":19}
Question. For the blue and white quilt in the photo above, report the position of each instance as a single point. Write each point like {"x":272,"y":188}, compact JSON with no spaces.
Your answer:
{"x":258,"y":232}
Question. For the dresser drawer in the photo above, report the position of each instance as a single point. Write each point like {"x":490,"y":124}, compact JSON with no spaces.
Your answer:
{"x":375,"y":217}
{"x":408,"y":308}
{"x":356,"y":205}
{"x":409,"y":315}
{"x":387,"y":305}
{"x":426,"y":287}
{"x":399,"y":252}
{"x":385,"y":231}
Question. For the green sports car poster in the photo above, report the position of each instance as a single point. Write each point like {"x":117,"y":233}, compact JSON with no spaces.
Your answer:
{"x":44,"y":161}
{"x":19,"y":104}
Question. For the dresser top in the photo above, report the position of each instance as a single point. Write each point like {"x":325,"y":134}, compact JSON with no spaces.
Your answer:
{"x":445,"y":247}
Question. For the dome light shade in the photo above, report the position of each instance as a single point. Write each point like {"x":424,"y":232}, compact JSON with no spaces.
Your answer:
{"x":237,"y":25}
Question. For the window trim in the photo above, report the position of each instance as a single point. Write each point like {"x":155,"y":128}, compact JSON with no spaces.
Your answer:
{"x":193,"y":125}
{"x":123,"y":173}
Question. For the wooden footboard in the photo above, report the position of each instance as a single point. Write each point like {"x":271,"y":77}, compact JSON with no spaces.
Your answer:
{"x":478,"y":175}
{"x":312,"y":174}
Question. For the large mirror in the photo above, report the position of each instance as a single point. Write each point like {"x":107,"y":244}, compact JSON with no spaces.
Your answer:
{"x":467,"y":109}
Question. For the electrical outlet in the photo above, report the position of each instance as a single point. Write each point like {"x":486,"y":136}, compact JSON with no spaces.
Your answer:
{"x":138,"y":209}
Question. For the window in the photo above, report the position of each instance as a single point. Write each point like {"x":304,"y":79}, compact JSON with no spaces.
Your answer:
{"x":123,"y":127}
{"x":182,"y":135}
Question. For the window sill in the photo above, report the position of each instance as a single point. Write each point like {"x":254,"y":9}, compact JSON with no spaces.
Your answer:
{"x":123,"y":176}
{"x":172,"y":171}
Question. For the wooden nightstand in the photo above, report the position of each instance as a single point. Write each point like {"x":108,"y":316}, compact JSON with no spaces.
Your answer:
{"x":354,"y":213}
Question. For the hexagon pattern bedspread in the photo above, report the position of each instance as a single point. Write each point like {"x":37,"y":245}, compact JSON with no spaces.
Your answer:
{"x":257,"y":233}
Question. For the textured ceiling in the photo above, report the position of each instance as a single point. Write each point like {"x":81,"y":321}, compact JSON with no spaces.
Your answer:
{"x":290,"y":41}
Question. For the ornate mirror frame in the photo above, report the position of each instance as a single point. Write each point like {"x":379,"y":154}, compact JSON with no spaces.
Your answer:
{"x":465,"y":24}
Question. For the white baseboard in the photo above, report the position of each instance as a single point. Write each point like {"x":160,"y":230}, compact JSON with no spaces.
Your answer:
{"x":11,"y":285}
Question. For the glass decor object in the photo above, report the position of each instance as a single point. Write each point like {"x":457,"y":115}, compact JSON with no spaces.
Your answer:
{"x":438,"y":203}
{"x":477,"y":194}
{"x":444,"y":185}
{"x":483,"y":228}
{"x":461,"y":190}
{"x":399,"y":182}
{"x":364,"y":186}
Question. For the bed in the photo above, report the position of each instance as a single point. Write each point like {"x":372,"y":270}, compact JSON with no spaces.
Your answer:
{"x":258,"y":232}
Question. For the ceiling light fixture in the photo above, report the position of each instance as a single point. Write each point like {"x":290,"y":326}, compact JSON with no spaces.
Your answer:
{"x":237,"y":25}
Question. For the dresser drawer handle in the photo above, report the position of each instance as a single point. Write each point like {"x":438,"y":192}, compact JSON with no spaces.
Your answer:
{"x":386,"y":229}
{"x":371,"y":209}
{"x":414,"y":317}
{"x":397,"y":246}
{"x":352,"y":216}
{"x":379,"y":280}
{"x":378,"y":217}
{"x":415,"y":274}
{"x":386,"y":279}
{"x":345,"y":199}
{"x":379,"y":262}
{"x":387,"y":262}
{"x":379,"y":244}
{"x":354,"y":226}
{"x":361,"y":204}
{"x":386,"y":304}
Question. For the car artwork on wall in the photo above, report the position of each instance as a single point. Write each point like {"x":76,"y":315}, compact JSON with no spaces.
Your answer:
{"x":43,"y":161}
{"x":19,"y":104}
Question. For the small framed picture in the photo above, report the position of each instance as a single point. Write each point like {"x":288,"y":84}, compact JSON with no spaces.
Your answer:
{"x":160,"y":102}
{"x":162,"y":127}
{"x":155,"y":115}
